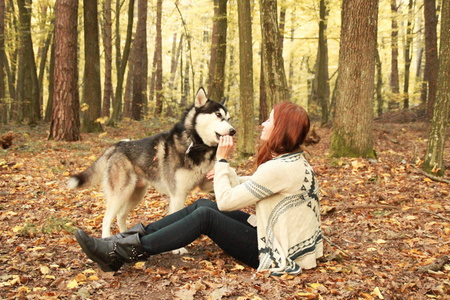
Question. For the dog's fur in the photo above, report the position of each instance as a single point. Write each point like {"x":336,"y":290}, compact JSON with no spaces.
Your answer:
{"x":173,"y":161}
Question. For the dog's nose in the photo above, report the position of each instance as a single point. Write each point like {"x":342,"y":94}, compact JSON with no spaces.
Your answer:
{"x":232,"y":131}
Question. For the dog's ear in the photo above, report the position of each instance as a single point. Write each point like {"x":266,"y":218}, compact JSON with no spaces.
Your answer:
{"x":200,"y":98}
{"x":224,"y":100}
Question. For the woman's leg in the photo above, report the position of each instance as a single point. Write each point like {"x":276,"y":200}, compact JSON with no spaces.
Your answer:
{"x":172,"y":218}
{"x":226,"y":229}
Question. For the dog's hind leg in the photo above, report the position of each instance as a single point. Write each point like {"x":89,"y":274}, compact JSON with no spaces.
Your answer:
{"x":133,"y":201}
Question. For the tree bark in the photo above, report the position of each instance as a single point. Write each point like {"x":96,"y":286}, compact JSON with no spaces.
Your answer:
{"x":28,"y":80}
{"x":121,"y":60}
{"x":434,"y":156}
{"x":408,"y":44}
{"x":92,"y":85}
{"x":65,"y":124}
{"x":246,"y":117}
{"x":323,"y":85}
{"x":352,"y":128}
{"x":158,"y":53}
{"x":140,"y":64}
{"x":431,"y":54}
{"x":108,"y":93}
{"x":218,"y":51}
{"x":394,"y":82}
{"x":273,"y":65}
{"x":3,"y":103}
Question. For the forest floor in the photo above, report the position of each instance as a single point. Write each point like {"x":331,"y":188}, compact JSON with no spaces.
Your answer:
{"x":387,"y":227}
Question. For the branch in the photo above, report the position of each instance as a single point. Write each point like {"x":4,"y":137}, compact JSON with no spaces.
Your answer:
{"x":334,"y":245}
{"x":435,"y":178}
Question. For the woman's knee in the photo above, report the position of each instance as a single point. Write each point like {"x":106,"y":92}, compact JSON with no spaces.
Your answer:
{"x":205,"y":203}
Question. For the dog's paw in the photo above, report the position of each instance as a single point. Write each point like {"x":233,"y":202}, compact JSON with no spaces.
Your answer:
{"x":180,"y":251}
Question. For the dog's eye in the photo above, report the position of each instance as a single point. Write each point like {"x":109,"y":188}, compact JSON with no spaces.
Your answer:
{"x":219,"y":115}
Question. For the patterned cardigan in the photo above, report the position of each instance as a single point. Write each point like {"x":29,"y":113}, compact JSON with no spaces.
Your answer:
{"x":285,"y":192}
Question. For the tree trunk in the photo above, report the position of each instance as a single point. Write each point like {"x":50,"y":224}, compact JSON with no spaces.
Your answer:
{"x":408,"y":44}
{"x":263,"y":110}
{"x":218,"y":51}
{"x":431,"y":55}
{"x":394,"y":82}
{"x":140,"y":64}
{"x":352,"y":128}
{"x":323,"y":85}
{"x":158,"y":50}
{"x":128,"y":96}
{"x":3,"y":103}
{"x":273,"y":65}
{"x":246,"y":117}
{"x":92,"y":85}
{"x":379,"y":86}
{"x":51,"y":73}
{"x":65,"y":124}
{"x":434,"y":156}
{"x":108,"y":94}
{"x":29,"y":94}
{"x":121,"y":61}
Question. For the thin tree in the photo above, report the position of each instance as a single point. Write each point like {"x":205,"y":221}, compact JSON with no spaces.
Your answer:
{"x":65,"y":123}
{"x":158,"y":54}
{"x":275,"y":83}
{"x":431,"y":56}
{"x":352,"y":126}
{"x":434,"y":156}
{"x":320,"y":92}
{"x":27,"y":81}
{"x":140,"y":63}
{"x":92,"y":86}
{"x":121,"y":60}
{"x":246,"y":117}
{"x":408,"y":44}
{"x":218,"y":51}
{"x":108,"y":93}
{"x":394,"y":81}
{"x":3,"y":103}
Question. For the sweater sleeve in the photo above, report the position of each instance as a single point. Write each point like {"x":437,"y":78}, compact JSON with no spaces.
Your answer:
{"x":265,"y":182}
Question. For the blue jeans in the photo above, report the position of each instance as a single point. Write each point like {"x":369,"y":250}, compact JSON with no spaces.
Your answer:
{"x":229,"y":230}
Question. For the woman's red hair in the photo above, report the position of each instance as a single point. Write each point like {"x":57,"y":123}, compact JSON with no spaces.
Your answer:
{"x":291,"y":125}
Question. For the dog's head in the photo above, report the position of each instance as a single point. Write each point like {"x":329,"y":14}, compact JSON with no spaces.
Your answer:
{"x":210,"y":119}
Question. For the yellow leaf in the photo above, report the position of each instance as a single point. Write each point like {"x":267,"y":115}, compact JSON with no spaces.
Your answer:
{"x":139,"y":265}
{"x":93,"y":278}
{"x":102,"y":135}
{"x":377,"y":293}
{"x":80,"y":277}
{"x":315,"y":285}
{"x":371,"y":249}
{"x":238,"y":267}
{"x":72,"y":284}
{"x":380,"y":241}
{"x":427,"y":179}
{"x":411,"y":217}
{"x":17,"y":228}
{"x":23,"y":289}
{"x":44,"y":270}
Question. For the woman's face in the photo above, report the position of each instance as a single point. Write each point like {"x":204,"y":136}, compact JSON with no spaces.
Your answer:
{"x":267,"y":128}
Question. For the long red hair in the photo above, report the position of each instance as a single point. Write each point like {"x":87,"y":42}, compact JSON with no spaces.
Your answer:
{"x":291,"y":125}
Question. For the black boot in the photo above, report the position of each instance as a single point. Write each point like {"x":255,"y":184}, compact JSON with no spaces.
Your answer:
{"x":111,"y":255}
{"x":138,"y":228}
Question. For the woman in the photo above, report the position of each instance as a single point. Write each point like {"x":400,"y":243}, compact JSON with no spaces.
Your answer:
{"x":283,"y":236}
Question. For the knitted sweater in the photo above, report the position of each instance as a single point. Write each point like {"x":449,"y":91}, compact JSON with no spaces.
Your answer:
{"x":285,"y":192}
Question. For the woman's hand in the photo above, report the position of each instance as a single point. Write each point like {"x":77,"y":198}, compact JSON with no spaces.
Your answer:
{"x":210,"y":174}
{"x":226,"y":144}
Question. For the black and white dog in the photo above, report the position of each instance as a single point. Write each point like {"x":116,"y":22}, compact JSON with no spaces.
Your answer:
{"x":173,"y":161}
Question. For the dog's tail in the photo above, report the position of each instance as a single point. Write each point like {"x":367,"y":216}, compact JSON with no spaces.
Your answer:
{"x":92,"y":175}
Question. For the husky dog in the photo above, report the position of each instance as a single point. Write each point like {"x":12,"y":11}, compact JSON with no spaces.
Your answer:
{"x":173,"y":161}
